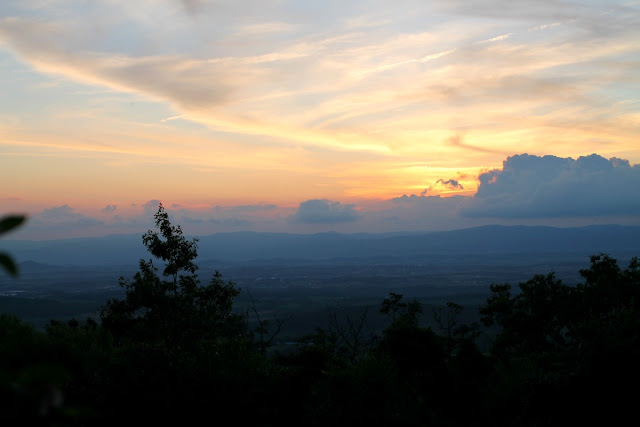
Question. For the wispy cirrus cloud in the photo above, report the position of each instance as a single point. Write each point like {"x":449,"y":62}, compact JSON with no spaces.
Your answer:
{"x":496,"y":38}
{"x":345,"y":99}
{"x":425,"y":58}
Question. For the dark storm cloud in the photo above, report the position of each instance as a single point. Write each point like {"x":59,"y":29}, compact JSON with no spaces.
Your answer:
{"x":530,"y":186}
{"x":322,"y":211}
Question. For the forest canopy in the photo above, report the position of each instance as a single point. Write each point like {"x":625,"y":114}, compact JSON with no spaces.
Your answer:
{"x":174,"y":347}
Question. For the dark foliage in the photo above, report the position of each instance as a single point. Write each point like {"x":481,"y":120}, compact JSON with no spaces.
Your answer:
{"x":174,"y":349}
{"x":9,"y":223}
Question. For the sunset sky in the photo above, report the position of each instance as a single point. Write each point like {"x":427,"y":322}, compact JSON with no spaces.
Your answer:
{"x":311,"y":116}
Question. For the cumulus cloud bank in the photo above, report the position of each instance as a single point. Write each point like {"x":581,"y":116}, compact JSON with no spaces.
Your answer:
{"x":322,"y":211}
{"x":528,"y":189}
{"x":530,"y":186}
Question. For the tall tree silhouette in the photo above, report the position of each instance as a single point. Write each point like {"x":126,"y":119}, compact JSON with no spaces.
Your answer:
{"x":173,"y":313}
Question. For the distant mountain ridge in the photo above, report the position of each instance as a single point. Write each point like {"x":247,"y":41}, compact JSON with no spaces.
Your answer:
{"x":247,"y":246}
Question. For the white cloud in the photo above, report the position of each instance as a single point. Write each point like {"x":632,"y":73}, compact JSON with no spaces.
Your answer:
{"x":530,"y":186}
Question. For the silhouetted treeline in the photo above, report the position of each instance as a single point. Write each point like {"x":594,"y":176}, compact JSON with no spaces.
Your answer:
{"x":174,"y":349}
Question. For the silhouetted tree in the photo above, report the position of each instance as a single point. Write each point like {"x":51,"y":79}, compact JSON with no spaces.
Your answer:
{"x":178,"y":316}
{"x":176,"y":336}
{"x":564,"y":347}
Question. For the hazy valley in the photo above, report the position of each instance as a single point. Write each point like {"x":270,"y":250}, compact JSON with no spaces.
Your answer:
{"x":304,"y":277}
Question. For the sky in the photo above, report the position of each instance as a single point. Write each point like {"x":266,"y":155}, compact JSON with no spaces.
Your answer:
{"x":313,"y":116}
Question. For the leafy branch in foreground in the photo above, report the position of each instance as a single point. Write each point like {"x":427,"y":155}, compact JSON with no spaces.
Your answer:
{"x":8,"y":223}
